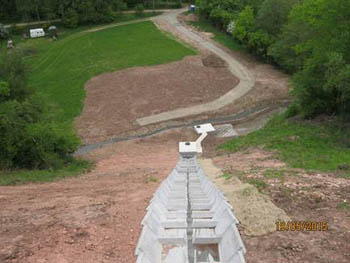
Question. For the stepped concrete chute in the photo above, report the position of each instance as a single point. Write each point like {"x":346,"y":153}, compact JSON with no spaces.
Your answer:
{"x":189,"y":220}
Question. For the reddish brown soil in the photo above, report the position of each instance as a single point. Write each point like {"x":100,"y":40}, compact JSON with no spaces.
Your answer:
{"x":305,"y":197}
{"x":92,"y":218}
{"x":96,"y":217}
{"x":271,"y":85}
{"x":115,"y":100}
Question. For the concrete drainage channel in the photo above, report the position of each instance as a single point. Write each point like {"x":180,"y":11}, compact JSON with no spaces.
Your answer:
{"x":243,"y":116}
{"x":189,"y":220}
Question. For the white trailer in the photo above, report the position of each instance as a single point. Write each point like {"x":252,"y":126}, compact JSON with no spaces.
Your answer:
{"x":38,"y":32}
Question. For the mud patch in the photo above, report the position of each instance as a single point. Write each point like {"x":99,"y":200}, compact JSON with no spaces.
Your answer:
{"x":213,"y":61}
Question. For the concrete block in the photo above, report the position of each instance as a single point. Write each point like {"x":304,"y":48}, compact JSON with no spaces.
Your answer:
{"x":205,"y":236}
{"x":202,"y":128}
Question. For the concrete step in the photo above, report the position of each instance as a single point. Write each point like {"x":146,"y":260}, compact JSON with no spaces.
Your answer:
{"x":186,"y":215}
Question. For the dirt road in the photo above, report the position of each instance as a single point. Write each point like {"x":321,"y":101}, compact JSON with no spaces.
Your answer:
{"x":246,"y":83}
{"x":96,"y":217}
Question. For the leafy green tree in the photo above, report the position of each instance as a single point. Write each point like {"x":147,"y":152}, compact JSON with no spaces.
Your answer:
{"x":13,"y":74}
{"x":321,"y":43}
{"x":245,"y":24}
{"x":30,"y":136}
{"x":70,"y":18}
{"x":273,"y":14}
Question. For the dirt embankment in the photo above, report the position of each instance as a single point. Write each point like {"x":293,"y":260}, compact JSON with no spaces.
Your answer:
{"x":115,"y":100}
{"x":303,"y":196}
{"x":96,"y":217}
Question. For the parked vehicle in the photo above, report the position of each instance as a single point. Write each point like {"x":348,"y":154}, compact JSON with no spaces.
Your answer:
{"x":38,"y":32}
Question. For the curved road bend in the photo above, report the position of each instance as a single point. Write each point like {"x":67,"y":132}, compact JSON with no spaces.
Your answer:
{"x":246,"y":83}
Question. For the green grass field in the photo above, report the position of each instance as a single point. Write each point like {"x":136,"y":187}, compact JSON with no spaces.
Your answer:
{"x":300,"y":144}
{"x":219,"y":36}
{"x":60,"y":69}
{"x":77,"y":167}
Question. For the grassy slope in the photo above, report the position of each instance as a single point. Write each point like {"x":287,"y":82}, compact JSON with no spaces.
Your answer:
{"x":77,"y":167}
{"x":300,"y":144}
{"x":62,"y":68}
{"x":219,"y":36}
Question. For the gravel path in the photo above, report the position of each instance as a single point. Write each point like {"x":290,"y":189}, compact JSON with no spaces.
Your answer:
{"x":246,"y":80}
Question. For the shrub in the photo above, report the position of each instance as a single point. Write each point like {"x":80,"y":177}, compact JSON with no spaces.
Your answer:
{"x":14,"y":117}
{"x":14,"y":72}
{"x":4,"y":91}
{"x":292,"y":111}
{"x":245,"y":24}
{"x":29,"y":136}
{"x":220,"y":17}
{"x":259,"y":42}
{"x":120,"y":5}
{"x":177,"y":4}
{"x":70,"y":18}
{"x":139,"y":9}
{"x":30,"y":140}
{"x":46,"y":145}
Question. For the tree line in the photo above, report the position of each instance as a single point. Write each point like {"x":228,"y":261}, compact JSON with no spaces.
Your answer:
{"x":73,"y":12}
{"x":307,"y":38}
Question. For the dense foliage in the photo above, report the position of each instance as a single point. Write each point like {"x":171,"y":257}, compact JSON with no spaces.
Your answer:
{"x":30,"y":138}
{"x":74,"y":12}
{"x":307,"y":38}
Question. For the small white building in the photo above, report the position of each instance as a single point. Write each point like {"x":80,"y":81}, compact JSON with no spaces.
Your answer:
{"x":38,"y":32}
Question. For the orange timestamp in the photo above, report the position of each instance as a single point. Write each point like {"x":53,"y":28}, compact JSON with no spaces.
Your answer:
{"x":301,"y":226}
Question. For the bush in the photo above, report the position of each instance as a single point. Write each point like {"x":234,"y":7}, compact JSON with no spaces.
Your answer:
{"x":139,"y":9}
{"x":14,"y":117}
{"x":292,"y":111}
{"x":29,"y":136}
{"x":46,"y":145}
{"x":221,"y":18}
{"x":14,"y":72}
{"x":259,"y":42}
{"x":29,"y":139}
{"x":245,"y":24}
{"x":70,"y":18}
{"x":120,"y":5}
{"x":177,"y":4}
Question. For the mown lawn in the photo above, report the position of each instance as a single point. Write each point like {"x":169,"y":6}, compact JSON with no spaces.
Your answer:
{"x":60,"y":69}
{"x":219,"y":36}
{"x":301,"y":144}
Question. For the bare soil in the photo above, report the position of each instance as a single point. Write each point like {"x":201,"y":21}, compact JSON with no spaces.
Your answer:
{"x":271,"y":85}
{"x":96,"y":217}
{"x":115,"y":100}
{"x":92,"y":218}
{"x":304,"y":197}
